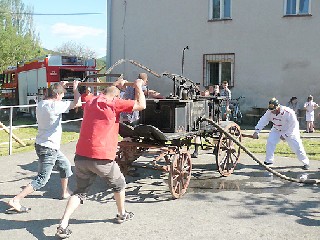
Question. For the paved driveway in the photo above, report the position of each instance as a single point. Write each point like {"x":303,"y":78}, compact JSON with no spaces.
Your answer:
{"x":250,"y":204}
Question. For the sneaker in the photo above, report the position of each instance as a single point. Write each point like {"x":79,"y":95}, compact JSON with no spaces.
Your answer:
{"x":267,"y":163}
{"x":125,"y":217}
{"x":306,"y":167}
{"x":303,"y":176}
{"x":63,"y":233}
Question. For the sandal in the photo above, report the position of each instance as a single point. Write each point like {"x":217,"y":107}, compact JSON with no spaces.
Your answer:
{"x":125,"y":217}
{"x":13,"y":210}
{"x":63,"y":232}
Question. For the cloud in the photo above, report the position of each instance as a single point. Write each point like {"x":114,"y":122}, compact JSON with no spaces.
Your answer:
{"x":101,"y":52}
{"x":74,"y":31}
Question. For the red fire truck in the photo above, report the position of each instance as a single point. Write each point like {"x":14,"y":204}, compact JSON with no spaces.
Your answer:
{"x":26,"y":83}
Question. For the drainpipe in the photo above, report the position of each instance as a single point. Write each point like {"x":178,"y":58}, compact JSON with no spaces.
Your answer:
{"x":109,"y":11}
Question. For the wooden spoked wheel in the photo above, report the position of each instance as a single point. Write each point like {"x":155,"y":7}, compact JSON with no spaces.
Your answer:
{"x":180,"y":173}
{"x":126,"y":155}
{"x":227,"y":152}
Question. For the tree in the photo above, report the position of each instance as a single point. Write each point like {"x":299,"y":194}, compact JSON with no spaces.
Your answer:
{"x":75,"y":49}
{"x":101,"y":64}
{"x":18,"y":40}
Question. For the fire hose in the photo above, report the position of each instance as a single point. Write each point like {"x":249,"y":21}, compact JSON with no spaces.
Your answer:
{"x":134,"y":63}
{"x":282,"y":176}
{"x":108,"y":73}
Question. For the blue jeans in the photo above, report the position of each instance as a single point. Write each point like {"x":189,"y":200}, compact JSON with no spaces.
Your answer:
{"x":48,"y":158}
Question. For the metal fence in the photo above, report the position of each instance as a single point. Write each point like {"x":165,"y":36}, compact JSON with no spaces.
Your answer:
{"x":11,"y":127}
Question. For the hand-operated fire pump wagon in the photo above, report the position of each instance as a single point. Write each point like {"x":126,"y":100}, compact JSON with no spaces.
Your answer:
{"x":171,"y":125}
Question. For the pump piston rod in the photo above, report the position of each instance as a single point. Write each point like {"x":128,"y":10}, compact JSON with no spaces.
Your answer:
{"x":98,"y":84}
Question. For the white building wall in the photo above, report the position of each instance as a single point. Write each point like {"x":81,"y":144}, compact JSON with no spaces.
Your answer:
{"x":275,"y":56}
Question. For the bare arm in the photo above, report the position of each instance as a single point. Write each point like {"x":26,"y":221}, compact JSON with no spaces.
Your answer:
{"x":76,"y":96}
{"x":153,"y":94}
{"x":140,"y":99}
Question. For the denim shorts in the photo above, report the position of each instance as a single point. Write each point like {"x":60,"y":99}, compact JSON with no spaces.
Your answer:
{"x":48,"y":158}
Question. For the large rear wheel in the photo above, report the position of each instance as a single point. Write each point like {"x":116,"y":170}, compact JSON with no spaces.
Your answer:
{"x":227,"y":152}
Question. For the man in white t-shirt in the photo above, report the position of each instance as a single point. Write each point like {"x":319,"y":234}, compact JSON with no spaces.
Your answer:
{"x":47,"y":145}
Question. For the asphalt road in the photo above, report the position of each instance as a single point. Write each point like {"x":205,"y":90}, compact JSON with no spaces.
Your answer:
{"x":250,"y":204}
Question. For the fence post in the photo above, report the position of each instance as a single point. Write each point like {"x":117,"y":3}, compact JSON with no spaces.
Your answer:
{"x":10,"y":135}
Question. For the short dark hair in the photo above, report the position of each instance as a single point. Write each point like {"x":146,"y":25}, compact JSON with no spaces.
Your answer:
{"x":293,"y":98}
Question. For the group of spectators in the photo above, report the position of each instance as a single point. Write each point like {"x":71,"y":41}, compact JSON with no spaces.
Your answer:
{"x":224,"y":93}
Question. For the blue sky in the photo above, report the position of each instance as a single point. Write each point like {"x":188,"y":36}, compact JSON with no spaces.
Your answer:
{"x":87,"y":30}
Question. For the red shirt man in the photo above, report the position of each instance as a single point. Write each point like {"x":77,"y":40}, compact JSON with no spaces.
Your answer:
{"x":100,"y":127}
{"x":96,"y":150}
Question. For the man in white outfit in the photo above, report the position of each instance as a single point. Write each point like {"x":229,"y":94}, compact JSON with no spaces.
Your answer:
{"x":285,"y":127}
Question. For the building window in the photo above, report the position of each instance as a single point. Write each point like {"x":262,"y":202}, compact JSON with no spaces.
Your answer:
{"x":219,"y":9}
{"x":218,"y":68}
{"x":297,"y":7}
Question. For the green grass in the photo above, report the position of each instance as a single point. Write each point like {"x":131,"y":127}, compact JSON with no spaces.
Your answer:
{"x":27,"y":135}
{"x":258,"y":146}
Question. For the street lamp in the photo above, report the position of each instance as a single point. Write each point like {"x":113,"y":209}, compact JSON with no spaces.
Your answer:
{"x":185,"y":48}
